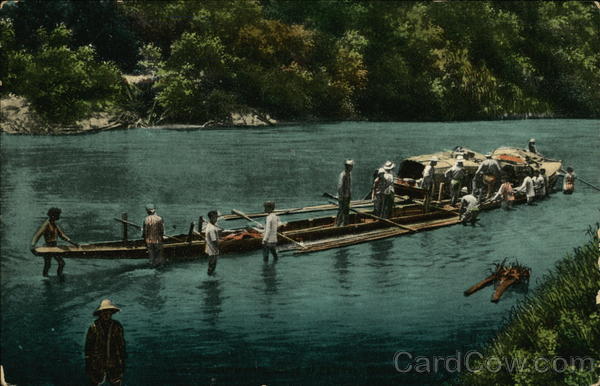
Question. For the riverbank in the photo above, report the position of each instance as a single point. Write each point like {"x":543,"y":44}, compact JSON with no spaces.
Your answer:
{"x":560,"y":320}
{"x":19,"y":118}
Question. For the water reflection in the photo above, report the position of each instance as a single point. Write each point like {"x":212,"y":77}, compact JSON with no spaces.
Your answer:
{"x":380,"y":252}
{"x":213,"y":300}
{"x":269,"y":277}
{"x":341,"y":264}
{"x":150,"y":287}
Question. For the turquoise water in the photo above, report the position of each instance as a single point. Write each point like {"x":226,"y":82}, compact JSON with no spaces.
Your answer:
{"x":334,"y":317}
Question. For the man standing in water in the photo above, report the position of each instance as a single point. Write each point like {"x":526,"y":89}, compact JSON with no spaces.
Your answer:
{"x":211,"y":235}
{"x":153,"y":231}
{"x":569,"y":181}
{"x":269,"y":241}
{"x":468,"y":208}
{"x":105,"y":347}
{"x":528,"y":188}
{"x":344,"y":193}
{"x":51,"y":231}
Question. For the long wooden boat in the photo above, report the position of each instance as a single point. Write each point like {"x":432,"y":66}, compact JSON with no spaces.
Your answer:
{"x":514,"y":162}
{"x":181,"y":247}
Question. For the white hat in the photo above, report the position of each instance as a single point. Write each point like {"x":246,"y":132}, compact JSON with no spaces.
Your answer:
{"x":380,"y":171}
{"x":532,"y":140}
{"x":389,"y":165}
{"x":460,"y":157}
{"x":464,"y":190}
{"x":488,"y":155}
{"x":106,"y":304}
{"x":349,"y":162}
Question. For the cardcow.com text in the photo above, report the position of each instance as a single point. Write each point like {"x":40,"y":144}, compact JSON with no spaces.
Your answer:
{"x":474,"y":361}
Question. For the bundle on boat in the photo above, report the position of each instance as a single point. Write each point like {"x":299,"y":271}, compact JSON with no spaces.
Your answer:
{"x":503,"y":276}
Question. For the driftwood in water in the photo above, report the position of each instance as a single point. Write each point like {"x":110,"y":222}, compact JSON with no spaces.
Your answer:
{"x":503,"y":276}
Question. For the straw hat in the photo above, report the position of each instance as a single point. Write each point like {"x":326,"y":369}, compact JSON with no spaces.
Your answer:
{"x":464,"y":190}
{"x":488,"y":155}
{"x":380,"y":171}
{"x":389,"y":165}
{"x":106,"y":304}
{"x":532,"y":140}
{"x":349,"y":162}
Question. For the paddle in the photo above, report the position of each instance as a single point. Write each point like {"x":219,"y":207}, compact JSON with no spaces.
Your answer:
{"x":239,"y":213}
{"x":139,"y":227}
{"x":582,"y":180}
{"x":371,"y":215}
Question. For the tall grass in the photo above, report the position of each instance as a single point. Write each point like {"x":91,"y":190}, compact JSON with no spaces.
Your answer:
{"x":560,"y":319}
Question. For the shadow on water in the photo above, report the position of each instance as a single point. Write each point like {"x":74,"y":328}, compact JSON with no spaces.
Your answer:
{"x":213,"y":300}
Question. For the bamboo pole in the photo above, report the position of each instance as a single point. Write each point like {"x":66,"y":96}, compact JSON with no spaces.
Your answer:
{"x":125,"y":222}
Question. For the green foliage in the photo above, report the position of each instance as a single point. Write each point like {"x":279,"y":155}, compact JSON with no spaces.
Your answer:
{"x":62,"y":84}
{"x":341,"y":59}
{"x":560,"y":319}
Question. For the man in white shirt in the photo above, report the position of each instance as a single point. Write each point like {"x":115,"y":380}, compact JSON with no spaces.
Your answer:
{"x":528,"y":188}
{"x":211,"y":235}
{"x":538,"y":185}
{"x":377,"y":195}
{"x":270,"y":232}
{"x":428,"y":180}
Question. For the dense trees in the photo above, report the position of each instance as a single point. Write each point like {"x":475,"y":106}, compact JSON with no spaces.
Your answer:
{"x":345,"y":59}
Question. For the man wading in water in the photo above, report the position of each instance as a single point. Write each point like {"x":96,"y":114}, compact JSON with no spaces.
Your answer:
{"x":105,"y":347}
{"x":51,"y":231}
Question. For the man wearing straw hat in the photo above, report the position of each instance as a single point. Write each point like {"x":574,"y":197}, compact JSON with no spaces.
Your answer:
{"x":153,"y":231}
{"x":344,"y":193}
{"x":387,"y":205}
{"x":105,"y":347}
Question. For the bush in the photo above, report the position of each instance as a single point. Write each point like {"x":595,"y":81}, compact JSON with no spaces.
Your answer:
{"x":65,"y":85}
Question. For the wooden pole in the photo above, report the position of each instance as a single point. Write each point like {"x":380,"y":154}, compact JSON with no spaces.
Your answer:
{"x":441,"y":192}
{"x":191,"y":233}
{"x":125,"y":222}
{"x":278,"y":233}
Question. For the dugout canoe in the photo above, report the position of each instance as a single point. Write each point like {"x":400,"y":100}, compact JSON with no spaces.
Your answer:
{"x":181,"y":247}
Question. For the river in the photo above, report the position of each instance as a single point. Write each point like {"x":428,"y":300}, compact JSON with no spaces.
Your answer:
{"x":333,"y":317}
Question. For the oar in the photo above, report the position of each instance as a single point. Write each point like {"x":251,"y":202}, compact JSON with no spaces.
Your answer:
{"x":139,"y":227}
{"x":582,"y":180}
{"x":371,"y":215}
{"x":241,"y":214}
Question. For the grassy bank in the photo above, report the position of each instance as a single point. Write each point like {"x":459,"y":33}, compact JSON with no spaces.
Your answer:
{"x":560,"y":319}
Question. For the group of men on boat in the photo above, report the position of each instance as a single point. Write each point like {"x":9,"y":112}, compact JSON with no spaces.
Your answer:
{"x":489,"y":184}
